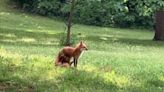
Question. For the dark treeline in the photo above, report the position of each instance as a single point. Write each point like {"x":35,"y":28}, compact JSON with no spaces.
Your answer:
{"x":114,"y":13}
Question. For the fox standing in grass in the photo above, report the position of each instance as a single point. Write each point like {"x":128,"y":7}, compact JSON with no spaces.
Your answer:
{"x":66,"y":53}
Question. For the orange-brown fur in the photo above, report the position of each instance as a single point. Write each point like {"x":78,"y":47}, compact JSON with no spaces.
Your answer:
{"x":66,"y":53}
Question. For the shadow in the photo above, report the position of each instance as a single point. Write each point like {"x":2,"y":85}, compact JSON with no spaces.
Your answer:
{"x":96,"y":38}
{"x":23,"y":37}
{"x":20,"y":33}
{"x":29,"y":44}
{"x":128,"y":41}
{"x":156,"y":83}
{"x":141,"y":42}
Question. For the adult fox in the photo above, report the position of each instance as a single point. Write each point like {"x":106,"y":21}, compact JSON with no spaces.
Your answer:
{"x":66,"y":53}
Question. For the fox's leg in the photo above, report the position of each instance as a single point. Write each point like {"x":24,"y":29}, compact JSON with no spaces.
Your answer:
{"x":66,"y":65}
{"x":71,"y":63}
{"x":64,"y":61}
{"x":58,"y":63}
{"x":75,"y":62}
{"x":62,"y":64}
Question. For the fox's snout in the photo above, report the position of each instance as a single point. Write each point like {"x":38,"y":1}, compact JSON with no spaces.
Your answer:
{"x":86,"y":48}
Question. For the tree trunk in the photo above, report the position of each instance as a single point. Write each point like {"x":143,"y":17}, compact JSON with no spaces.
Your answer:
{"x":159,"y":27}
{"x":68,"y":40}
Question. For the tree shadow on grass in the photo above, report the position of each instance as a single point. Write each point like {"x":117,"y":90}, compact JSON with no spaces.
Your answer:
{"x":141,"y":42}
{"x":20,"y":33}
{"x":128,"y":41}
{"x":25,"y":44}
{"x":24,"y":37}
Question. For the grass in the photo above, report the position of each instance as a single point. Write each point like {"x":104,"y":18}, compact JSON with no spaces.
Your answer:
{"x":118,"y":60}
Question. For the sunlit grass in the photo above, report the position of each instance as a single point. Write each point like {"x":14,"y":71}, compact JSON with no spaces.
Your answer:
{"x":118,"y":60}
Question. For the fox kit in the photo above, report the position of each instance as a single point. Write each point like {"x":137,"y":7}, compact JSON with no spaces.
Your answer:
{"x":66,"y":53}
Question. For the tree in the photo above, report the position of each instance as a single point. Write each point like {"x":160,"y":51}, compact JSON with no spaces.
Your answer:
{"x":68,"y":43}
{"x":150,"y":7}
{"x":159,"y":27}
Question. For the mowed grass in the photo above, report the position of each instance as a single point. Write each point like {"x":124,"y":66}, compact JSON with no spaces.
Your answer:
{"x":118,"y":60}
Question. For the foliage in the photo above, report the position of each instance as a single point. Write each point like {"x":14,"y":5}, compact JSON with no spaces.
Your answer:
{"x":122,"y":13}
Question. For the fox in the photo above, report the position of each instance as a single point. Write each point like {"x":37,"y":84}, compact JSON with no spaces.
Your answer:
{"x":67,"y":53}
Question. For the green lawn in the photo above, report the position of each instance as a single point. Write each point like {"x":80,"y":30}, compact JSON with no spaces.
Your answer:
{"x":118,"y":60}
